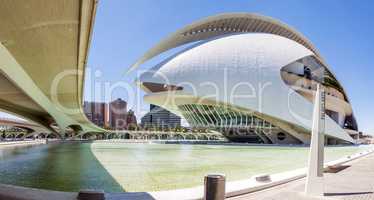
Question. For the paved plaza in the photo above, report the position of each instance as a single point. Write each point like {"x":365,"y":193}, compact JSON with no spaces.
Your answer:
{"x":356,"y":182}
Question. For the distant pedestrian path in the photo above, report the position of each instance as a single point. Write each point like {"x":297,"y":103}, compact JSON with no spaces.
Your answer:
{"x":355,"y":182}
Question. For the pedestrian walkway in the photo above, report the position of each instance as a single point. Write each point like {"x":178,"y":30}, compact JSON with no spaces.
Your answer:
{"x":355,"y":181}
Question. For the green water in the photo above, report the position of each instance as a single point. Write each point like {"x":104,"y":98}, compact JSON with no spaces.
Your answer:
{"x":145,"y":167}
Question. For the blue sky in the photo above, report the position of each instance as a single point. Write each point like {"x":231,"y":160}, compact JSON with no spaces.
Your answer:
{"x":342,"y":30}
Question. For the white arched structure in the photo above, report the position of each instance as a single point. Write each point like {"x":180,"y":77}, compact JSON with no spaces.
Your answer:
{"x":248,"y":71}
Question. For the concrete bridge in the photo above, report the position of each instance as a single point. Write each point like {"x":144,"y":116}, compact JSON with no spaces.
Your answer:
{"x":32,"y":129}
{"x":29,"y":129}
{"x":43,"y":55}
{"x":157,"y":135}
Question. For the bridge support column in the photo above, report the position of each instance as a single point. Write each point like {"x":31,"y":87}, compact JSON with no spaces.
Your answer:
{"x":3,"y":136}
{"x":62,"y":133}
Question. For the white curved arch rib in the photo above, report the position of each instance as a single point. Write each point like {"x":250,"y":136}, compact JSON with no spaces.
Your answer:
{"x":224,"y":24}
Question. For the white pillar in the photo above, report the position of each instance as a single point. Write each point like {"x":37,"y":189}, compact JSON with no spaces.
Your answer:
{"x":314,"y":180}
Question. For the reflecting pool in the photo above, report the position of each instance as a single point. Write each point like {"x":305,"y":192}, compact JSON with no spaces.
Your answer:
{"x":117,"y":167}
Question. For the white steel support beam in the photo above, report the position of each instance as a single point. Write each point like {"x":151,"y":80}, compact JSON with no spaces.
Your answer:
{"x":314,"y":180}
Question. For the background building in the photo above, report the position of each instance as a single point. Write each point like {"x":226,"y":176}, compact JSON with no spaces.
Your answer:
{"x":158,"y":117}
{"x":113,"y":116}
{"x":117,"y":114}
{"x":96,"y":113}
{"x":131,"y":123}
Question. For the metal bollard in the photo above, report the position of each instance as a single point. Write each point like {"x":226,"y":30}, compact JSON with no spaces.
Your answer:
{"x":214,"y":187}
{"x":91,"y":195}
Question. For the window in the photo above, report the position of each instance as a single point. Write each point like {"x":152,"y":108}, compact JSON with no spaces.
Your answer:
{"x":281,"y":136}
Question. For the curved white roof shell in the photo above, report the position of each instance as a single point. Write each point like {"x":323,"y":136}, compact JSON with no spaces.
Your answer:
{"x":225,"y":24}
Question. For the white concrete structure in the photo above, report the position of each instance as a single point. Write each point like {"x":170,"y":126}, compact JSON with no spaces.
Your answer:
{"x":250,"y":77}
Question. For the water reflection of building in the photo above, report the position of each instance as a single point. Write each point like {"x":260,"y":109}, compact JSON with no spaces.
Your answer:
{"x":96,"y":112}
{"x":160,"y":118}
{"x":117,"y":114}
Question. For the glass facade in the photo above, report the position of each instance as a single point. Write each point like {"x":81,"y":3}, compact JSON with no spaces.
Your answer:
{"x":230,"y":121}
{"x":210,"y":116}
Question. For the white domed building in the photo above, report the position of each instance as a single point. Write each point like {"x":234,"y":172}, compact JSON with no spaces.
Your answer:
{"x":250,"y":77}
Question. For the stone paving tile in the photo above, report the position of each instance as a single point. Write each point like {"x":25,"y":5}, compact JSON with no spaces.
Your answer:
{"x":369,"y":196}
{"x":356,"y":182}
{"x":129,"y":196}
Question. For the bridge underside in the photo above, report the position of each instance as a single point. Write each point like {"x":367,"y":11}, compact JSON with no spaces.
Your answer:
{"x":13,"y":100}
{"x":43,"y":52}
